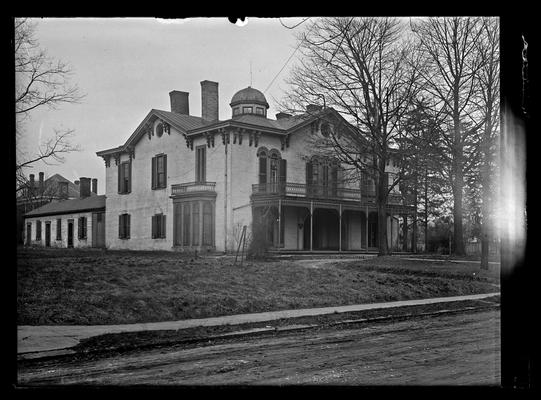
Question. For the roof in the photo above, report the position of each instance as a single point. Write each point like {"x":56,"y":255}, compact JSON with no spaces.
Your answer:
{"x":69,"y":206}
{"x":249,"y":95}
{"x":187,"y":122}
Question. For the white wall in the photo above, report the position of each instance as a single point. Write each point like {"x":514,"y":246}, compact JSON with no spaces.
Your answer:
{"x":64,"y":242}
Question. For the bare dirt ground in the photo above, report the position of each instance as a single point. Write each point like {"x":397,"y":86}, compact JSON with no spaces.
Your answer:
{"x":457,"y":349}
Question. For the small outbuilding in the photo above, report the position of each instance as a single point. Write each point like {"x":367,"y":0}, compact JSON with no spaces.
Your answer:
{"x":68,"y":223}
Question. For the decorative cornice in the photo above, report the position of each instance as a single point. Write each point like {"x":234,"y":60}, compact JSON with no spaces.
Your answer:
{"x":189,"y":142}
{"x":117,"y":158}
{"x":107,"y":159}
{"x":226,"y":139}
{"x":285,"y":142}
{"x":131,"y":152}
{"x":166,"y":127}
{"x":209,"y":136}
{"x":253,"y":138}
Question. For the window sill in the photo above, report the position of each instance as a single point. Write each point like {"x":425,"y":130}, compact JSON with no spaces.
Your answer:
{"x":159,"y":188}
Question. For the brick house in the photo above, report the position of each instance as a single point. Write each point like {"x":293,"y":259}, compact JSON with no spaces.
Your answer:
{"x":188,"y":183}
{"x":68,"y":222}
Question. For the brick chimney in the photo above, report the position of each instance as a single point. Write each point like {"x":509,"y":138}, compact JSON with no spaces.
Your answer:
{"x":84,"y":189}
{"x":95,"y":186}
{"x":41,"y":174}
{"x":32,"y":183}
{"x":179,"y":102}
{"x":282,"y":115}
{"x":209,"y":100}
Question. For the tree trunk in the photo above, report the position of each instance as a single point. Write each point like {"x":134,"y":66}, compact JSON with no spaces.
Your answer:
{"x":426,"y":210}
{"x":458,"y":181}
{"x":414,"y":222}
{"x":381,"y":199}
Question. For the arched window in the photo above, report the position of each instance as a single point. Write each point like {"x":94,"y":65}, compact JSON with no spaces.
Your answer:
{"x":272,"y":170}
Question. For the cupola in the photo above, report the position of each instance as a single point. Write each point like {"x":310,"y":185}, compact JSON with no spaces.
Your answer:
{"x":249,"y":101}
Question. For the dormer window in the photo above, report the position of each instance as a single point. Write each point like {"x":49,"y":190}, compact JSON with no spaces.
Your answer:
{"x":247,"y":110}
{"x":236,"y":111}
{"x":259,"y":111}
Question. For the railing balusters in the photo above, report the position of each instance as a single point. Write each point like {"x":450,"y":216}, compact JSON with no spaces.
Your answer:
{"x":322,"y":192}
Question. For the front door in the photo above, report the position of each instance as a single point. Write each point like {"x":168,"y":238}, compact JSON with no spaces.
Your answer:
{"x":70,"y":233}
{"x":47,"y":234}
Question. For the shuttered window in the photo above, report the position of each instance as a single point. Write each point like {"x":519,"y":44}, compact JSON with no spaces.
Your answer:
{"x":38,"y":230}
{"x":158,"y":226}
{"x":124,"y":226}
{"x":195,"y":223}
{"x":200,"y":164}
{"x":159,"y":171}
{"x":59,"y":229}
{"x":82,"y":226}
{"x":124,"y":177}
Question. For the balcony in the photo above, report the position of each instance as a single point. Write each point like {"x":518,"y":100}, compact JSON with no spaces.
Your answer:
{"x":301,"y":190}
{"x":193,"y":189}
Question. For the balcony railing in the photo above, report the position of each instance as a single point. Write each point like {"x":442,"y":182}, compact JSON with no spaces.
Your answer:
{"x":183,"y":188}
{"x":321,"y":192}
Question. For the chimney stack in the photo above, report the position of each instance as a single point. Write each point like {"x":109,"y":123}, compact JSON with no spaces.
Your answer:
{"x":209,"y":101}
{"x":179,"y":102}
{"x":84,"y":189}
{"x":41,"y":182}
{"x":282,"y":115}
{"x":95,"y":186}
{"x":32,"y":185}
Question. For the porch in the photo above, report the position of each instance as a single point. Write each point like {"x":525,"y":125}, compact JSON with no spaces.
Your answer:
{"x":300,"y":217}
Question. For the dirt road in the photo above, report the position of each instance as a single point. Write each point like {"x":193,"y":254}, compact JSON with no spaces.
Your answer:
{"x":461,"y":349}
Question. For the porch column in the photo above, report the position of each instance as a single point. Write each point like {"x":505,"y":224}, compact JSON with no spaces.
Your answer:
{"x":340,"y":228}
{"x":366,"y":228}
{"x":311,"y":224}
{"x":200,"y":222}
{"x":279,"y":221}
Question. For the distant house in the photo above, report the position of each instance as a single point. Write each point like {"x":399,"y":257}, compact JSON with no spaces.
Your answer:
{"x":185,"y":182}
{"x":65,"y":222}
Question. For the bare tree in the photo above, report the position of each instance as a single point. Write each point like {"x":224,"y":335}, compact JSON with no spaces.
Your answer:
{"x":40,"y":81}
{"x":450,"y":46}
{"x":489,"y":79}
{"x":365,"y":69}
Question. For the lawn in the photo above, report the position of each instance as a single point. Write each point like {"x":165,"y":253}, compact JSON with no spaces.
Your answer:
{"x":93,"y":286}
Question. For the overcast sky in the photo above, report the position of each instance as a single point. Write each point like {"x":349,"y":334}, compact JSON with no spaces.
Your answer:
{"x":128,"y":66}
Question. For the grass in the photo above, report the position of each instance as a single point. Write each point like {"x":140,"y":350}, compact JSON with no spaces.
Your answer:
{"x":92,"y":287}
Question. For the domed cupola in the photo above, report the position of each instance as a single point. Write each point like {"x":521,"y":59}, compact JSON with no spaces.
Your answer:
{"x":249,"y":101}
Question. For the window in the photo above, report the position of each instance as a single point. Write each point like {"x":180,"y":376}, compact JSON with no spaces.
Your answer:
{"x":260,"y":110}
{"x":236,"y":111}
{"x":158,"y":226}
{"x":247,"y":110}
{"x":159,"y":129}
{"x":200,"y":164}
{"x":124,"y":226}
{"x":195,"y":224}
{"x":124,"y":177}
{"x":59,"y":229}
{"x":38,"y":230}
{"x":82,"y":228}
{"x":159,"y":171}
{"x":186,"y":220}
{"x":207,"y":224}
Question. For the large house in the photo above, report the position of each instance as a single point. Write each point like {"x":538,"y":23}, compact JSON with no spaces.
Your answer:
{"x":189,"y":183}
